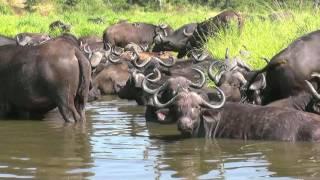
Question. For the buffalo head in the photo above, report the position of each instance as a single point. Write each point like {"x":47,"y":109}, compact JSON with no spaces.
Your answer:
{"x":96,"y":56}
{"x":186,"y":108}
{"x":31,"y":39}
{"x":59,"y":25}
{"x":176,"y":41}
{"x":314,"y":105}
{"x":233,"y":77}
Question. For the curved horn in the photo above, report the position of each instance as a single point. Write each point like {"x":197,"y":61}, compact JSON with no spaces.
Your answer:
{"x":163,"y":26}
{"x":240,"y":77}
{"x":313,"y":91}
{"x":157,"y":103}
{"x":317,"y":75}
{"x":259,"y":85}
{"x":165,"y":64}
{"x":135,"y":63}
{"x":134,"y":56}
{"x":203,"y":79}
{"x":116,"y":52}
{"x":160,"y":37}
{"x":87,"y":49}
{"x":18,"y":39}
{"x":156,"y":71}
{"x":108,"y":51}
{"x":25,"y":41}
{"x":202,"y":57}
{"x":264,"y":82}
{"x":117,"y":59}
{"x":143,"y":48}
{"x":186,"y":33}
{"x":96,"y":59}
{"x":194,"y":55}
{"x":213,"y":77}
{"x":211,"y":106}
{"x":165,"y":32}
{"x":147,"y":89}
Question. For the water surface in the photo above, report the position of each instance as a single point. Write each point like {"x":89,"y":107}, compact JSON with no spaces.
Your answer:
{"x":117,"y":143}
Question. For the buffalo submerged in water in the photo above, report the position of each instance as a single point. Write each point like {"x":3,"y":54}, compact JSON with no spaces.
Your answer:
{"x":196,"y":117}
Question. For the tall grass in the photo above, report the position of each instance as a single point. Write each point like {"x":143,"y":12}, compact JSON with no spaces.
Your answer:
{"x":263,"y":38}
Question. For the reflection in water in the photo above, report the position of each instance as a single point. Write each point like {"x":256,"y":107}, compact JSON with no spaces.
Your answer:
{"x":117,"y":143}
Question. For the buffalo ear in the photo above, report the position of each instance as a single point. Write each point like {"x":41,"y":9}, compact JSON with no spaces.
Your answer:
{"x":164,"y":116}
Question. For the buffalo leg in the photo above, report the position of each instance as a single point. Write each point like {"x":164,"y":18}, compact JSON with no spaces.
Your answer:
{"x":67,"y":109}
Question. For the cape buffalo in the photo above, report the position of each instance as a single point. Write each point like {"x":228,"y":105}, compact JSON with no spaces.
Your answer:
{"x":286,"y":72}
{"x":232,"y":76}
{"x":143,"y":34}
{"x":59,"y":25}
{"x":133,"y":88}
{"x":31,"y":39}
{"x":177,"y":40}
{"x":111,"y":78}
{"x":208,"y":28}
{"x":305,"y":101}
{"x":36,"y":79}
{"x":168,"y":90}
{"x":94,"y":42}
{"x":197,"y":117}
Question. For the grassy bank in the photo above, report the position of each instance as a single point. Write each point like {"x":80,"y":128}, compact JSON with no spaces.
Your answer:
{"x":263,"y":38}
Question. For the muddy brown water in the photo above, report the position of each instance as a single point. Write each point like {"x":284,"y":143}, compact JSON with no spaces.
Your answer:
{"x":117,"y":143}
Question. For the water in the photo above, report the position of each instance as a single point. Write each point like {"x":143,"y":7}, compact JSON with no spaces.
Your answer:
{"x":117,"y":143}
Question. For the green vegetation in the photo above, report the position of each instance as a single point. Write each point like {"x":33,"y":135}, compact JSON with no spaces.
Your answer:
{"x":262,"y":37}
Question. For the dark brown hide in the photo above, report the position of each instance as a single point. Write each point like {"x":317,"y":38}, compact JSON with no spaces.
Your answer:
{"x":39,"y":78}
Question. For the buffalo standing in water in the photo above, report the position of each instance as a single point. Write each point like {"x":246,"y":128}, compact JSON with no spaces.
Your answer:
{"x":196,"y":117}
{"x":36,"y":79}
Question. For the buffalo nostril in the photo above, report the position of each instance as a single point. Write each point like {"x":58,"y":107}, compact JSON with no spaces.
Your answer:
{"x":185,"y":125}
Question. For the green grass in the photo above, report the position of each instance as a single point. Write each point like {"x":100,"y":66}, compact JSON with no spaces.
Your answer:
{"x":262,"y":38}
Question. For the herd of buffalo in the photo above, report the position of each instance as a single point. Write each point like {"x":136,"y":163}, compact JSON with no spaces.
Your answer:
{"x":135,"y":61}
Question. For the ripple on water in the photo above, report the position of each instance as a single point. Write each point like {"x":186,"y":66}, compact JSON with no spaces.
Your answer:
{"x":117,"y":143}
